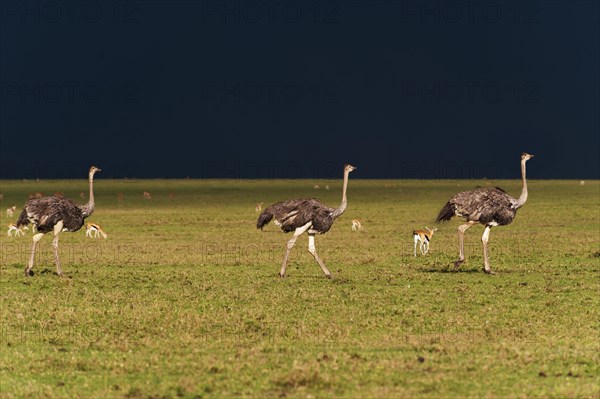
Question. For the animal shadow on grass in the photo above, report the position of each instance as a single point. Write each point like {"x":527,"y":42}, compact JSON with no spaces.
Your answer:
{"x":448,"y":269}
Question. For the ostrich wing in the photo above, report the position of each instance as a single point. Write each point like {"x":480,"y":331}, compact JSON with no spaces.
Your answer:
{"x":485,"y":205}
{"x":290,"y":215}
{"x":46,"y":212}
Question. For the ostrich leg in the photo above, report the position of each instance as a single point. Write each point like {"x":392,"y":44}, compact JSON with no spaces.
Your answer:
{"x":57,"y":229}
{"x":36,"y":238}
{"x":313,"y":250}
{"x":461,"y":243}
{"x":299,"y":231}
{"x":484,"y":239}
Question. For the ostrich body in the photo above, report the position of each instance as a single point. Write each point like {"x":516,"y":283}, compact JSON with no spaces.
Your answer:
{"x":55,"y":214}
{"x":305,"y":215}
{"x":487,"y":206}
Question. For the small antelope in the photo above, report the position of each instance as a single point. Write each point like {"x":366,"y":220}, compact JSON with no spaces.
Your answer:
{"x":14,"y":231}
{"x":258,"y":207}
{"x":316,"y":187}
{"x":93,"y":229}
{"x":356,"y":226}
{"x":147,"y":195}
{"x":10,"y":211}
{"x":424,"y":236}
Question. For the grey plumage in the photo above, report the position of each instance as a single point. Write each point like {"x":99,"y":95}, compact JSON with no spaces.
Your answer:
{"x":295,"y":213}
{"x":46,"y":212}
{"x":482,"y":205}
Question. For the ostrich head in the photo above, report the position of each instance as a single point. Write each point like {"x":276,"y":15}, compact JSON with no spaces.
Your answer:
{"x":94,"y":169}
{"x":349,"y":168}
{"x":526,"y":157}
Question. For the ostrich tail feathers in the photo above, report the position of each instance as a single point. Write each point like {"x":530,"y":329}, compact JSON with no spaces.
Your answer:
{"x":446,"y":213}
{"x":23,"y":220}
{"x":264,"y":218}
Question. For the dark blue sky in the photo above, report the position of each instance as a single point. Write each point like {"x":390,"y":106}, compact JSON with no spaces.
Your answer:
{"x":296,"y":89}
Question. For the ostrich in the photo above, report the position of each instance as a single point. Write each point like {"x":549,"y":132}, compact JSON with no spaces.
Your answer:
{"x":55,"y":214}
{"x":488,"y":206}
{"x":305,"y":215}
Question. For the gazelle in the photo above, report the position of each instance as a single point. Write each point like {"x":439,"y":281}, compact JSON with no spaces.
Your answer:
{"x":147,"y":195}
{"x":423,"y":236}
{"x":356,"y":225}
{"x":14,"y":231}
{"x":93,"y":229}
{"x":10,"y":211}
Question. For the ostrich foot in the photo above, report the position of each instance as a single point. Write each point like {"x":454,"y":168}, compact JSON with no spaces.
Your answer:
{"x":29,"y":273}
{"x":329,"y":276}
{"x":281,"y":275}
{"x":489,"y":271}
{"x":458,"y":263}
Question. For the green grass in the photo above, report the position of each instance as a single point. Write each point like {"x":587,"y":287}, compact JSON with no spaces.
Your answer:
{"x":182,"y":299}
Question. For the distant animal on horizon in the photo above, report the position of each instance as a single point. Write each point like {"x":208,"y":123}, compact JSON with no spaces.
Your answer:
{"x":423,"y":237}
{"x":147,"y":195}
{"x":488,"y":206}
{"x":356,"y":225}
{"x":36,"y":195}
{"x":120,"y":197}
{"x":316,"y":187}
{"x":14,"y":231}
{"x":55,"y":214}
{"x":582,"y":183}
{"x":92,"y":230}
{"x":258,"y":206}
{"x":82,"y":195}
{"x":305,"y":215}
{"x":10,"y":211}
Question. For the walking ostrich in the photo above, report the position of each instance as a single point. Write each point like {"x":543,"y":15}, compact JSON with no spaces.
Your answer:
{"x":55,"y":214}
{"x":305,"y":215}
{"x":488,"y":206}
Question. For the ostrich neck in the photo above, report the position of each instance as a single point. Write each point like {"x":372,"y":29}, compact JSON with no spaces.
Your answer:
{"x":337,"y":212}
{"x":523,"y":198}
{"x":88,"y":208}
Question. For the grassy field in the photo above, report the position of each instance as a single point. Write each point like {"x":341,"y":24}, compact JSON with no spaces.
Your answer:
{"x":182,"y":299}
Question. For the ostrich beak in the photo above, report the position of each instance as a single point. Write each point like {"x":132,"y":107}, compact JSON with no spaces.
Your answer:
{"x":98,"y":170}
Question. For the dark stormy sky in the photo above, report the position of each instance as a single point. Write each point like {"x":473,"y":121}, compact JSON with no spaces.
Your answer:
{"x":243,"y":89}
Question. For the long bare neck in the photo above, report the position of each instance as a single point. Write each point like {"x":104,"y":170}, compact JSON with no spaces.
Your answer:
{"x":344,"y":203}
{"x":523,"y":198}
{"x":88,"y":208}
